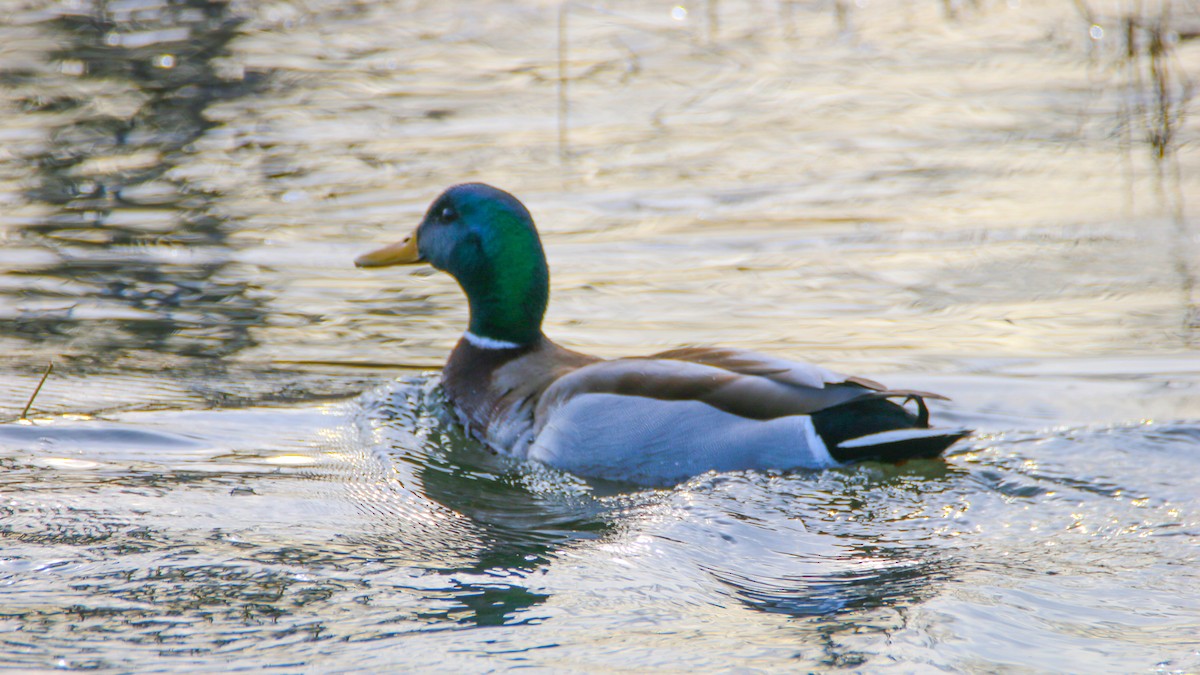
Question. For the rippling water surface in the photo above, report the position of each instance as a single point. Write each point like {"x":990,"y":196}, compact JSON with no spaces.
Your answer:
{"x":242,"y":458}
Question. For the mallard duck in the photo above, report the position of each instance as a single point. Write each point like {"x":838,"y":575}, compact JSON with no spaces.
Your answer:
{"x":652,"y":420}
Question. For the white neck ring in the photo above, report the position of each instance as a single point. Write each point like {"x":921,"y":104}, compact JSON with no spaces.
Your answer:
{"x":481,"y":342}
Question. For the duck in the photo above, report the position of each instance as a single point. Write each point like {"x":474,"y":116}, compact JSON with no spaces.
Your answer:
{"x":649,"y":420}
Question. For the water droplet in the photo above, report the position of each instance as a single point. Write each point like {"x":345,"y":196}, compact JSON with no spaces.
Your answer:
{"x":1096,"y":32}
{"x":165,"y":61}
{"x":679,"y":13}
{"x":72,"y":67}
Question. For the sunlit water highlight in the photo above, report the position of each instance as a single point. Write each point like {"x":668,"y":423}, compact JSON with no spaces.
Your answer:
{"x":366,"y":522}
{"x":995,"y":201}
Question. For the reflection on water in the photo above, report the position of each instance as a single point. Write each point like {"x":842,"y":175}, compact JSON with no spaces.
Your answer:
{"x":195,"y":175}
{"x":363,"y":538}
{"x":133,"y":85}
{"x":516,"y":518}
{"x":989,"y":200}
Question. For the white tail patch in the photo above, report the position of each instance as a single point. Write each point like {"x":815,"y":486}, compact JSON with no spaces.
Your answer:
{"x":897,"y":435}
{"x":815,"y":443}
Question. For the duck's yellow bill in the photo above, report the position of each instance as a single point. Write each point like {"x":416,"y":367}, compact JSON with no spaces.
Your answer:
{"x":401,"y":253}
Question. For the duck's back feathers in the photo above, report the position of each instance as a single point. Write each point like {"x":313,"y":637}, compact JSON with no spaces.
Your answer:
{"x":750,"y":385}
{"x":760,"y":365}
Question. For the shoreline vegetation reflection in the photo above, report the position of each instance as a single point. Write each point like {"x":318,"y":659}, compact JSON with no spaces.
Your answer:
{"x":117,"y":215}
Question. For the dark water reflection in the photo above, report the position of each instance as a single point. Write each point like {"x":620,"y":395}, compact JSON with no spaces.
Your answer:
{"x":856,"y":544}
{"x":119,"y":220}
{"x":523,"y":518}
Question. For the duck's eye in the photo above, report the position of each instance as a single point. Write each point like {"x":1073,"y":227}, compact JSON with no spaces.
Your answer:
{"x":449,"y":215}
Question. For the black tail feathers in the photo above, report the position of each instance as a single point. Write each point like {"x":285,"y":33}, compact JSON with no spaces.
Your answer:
{"x":879,"y":429}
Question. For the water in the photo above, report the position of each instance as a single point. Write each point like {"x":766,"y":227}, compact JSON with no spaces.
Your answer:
{"x":242,"y":460}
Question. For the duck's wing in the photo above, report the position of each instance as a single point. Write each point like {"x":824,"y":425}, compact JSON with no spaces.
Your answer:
{"x":749,"y":385}
{"x":785,"y":371}
{"x":761,"y":365}
{"x":657,"y":419}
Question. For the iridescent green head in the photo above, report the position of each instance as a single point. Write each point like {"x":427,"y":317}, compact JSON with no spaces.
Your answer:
{"x":485,"y":238}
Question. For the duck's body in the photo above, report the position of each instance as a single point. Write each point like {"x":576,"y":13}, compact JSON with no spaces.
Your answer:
{"x":653,"y":420}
